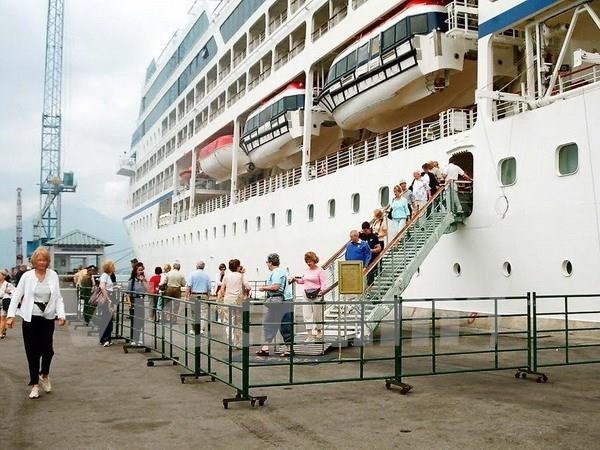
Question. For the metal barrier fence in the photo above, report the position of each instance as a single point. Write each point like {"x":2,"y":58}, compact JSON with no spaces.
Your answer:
{"x":239,"y":345}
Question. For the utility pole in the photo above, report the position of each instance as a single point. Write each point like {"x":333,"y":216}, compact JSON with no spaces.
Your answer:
{"x":19,"y":240}
{"x":52,"y":182}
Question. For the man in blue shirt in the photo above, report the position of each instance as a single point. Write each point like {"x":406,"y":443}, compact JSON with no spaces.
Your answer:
{"x":198,"y":288}
{"x":279,"y":314}
{"x":357,"y":250}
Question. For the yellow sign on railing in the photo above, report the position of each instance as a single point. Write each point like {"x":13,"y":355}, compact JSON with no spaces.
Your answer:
{"x":351,"y":278}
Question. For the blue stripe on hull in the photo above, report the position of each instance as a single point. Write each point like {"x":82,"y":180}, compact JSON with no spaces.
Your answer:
{"x":513,"y":15}
{"x":152,"y":203}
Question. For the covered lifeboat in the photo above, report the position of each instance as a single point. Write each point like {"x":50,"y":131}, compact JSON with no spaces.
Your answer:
{"x":215,"y":158}
{"x":405,"y":69}
{"x":273,"y":133}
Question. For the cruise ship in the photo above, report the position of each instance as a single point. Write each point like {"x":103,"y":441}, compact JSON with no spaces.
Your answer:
{"x":280,"y":125}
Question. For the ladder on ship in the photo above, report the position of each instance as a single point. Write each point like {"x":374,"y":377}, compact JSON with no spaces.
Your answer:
{"x":394,"y":268}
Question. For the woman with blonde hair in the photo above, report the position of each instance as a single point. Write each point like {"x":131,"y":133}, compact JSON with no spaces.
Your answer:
{"x":379,"y":227}
{"x":233,"y":291}
{"x":107,"y":305}
{"x":40,"y":300}
{"x":315,"y":283}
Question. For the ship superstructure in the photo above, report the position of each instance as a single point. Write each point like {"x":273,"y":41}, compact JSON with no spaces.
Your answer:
{"x":280,"y":125}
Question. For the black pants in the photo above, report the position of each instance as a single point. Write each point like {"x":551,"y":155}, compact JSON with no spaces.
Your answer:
{"x":138,"y":318}
{"x":105,"y":322}
{"x":37,"y":337}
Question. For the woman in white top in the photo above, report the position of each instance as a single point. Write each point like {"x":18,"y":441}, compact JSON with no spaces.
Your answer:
{"x":234,"y":290}
{"x":106,"y":305}
{"x":38,"y":292}
{"x":6,"y":290}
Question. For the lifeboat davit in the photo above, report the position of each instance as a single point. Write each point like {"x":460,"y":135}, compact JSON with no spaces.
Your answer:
{"x":274,"y":132}
{"x":215,"y":158}
{"x":403,"y":70}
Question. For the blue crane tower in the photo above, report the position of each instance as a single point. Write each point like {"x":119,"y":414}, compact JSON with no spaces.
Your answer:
{"x":52,"y":181}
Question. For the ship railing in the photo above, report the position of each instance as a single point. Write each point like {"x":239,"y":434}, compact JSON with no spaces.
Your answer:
{"x":358,"y":3}
{"x":223,"y":73}
{"x":165,"y":220}
{"x":289,"y":55}
{"x":277,"y":21}
{"x":239,"y":58}
{"x":450,"y":122}
{"x":254,"y":43}
{"x":463,"y":17}
{"x":213,"y":204}
{"x":254,"y":82}
{"x":235,"y":97}
{"x":501,"y":109}
{"x":332,"y":22}
{"x":295,"y":5}
{"x":568,"y":81}
{"x":265,"y":186}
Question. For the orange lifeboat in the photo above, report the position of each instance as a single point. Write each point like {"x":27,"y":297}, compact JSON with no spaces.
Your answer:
{"x":215,"y":158}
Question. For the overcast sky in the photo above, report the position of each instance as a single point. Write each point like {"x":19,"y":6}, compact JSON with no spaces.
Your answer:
{"x":108,"y":45}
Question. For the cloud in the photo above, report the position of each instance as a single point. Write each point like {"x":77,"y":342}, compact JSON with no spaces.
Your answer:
{"x":108,"y":45}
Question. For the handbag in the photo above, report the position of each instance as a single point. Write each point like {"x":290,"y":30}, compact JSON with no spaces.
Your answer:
{"x":273,"y":300}
{"x":97,"y":298}
{"x":389,"y":214}
{"x":311,"y":294}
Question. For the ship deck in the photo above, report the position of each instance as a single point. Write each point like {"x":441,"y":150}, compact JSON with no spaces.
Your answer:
{"x":104,"y":398}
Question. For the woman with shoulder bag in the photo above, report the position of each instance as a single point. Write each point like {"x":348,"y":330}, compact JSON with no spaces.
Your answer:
{"x":398,"y":213}
{"x":233,"y":291}
{"x":315,"y":283}
{"x":106,"y":303}
{"x":138,"y":287}
{"x":37,"y":299}
{"x":6,"y":290}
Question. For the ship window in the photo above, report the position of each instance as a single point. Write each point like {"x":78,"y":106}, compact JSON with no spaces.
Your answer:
{"x":224,"y":231}
{"x":388,"y":38}
{"x":508,"y":171}
{"x":374,"y":46}
{"x":363,"y":54}
{"x":401,"y":31}
{"x":291,"y":103}
{"x":234,"y":228}
{"x":288,"y":216}
{"x":206,"y":234}
{"x":355,"y":203}
{"x":418,"y":24}
{"x":245,"y":225}
{"x":310,"y":211}
{"x":568,"y":159}
{"x":567,"y":268}
{"x":214,"y":232}
{"x":331,"y":205}
{"x":272,"y":220}
{"x":351,"y":60}
{"x":384,"y":196}
{"x":258,"y":223}
{"x":198,"y":235}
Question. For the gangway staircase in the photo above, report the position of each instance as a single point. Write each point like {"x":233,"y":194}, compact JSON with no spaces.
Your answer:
{"x":344,"y":322}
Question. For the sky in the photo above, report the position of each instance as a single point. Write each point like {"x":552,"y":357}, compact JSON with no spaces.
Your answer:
{"x":107,"y":46}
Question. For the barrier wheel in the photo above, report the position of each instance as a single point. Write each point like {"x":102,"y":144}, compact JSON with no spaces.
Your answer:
{"x":182,"y":380}
{"x":388,"y":386}
{"x":225,"y":404}
{"x":542,"y":379}
{"x":174,"y":363}
{"x":150,"y":363}
{"x":261,"y":402}
{"x":252,"y":402}
{"x":212,"y":379}
{"x":404,"y":391}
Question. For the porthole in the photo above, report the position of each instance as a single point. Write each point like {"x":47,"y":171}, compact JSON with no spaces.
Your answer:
{"x":288,"y":216}
{"x":331,"y":205}
{"x":355,"y":203}
{"x":567,"y":159}
{"x":258,"y":223}
{"x":206,"y":234}
{"x":310,"y":212}
{"x":224,"y":230}
{"x":384,"y":196}
{"x":567,"y":268}
{"x":214,"y":233}
{"x":245,"y":225}
{"x":234,"y":228}
{"x":272,"y":220}
{"x":198,"y":235}
{"x":506,"y":269}
{"x":508,"y":171}
{"x":456,"y":269}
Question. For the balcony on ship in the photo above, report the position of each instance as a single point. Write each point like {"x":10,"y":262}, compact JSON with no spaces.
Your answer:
{"x":239,"y":51}
{"x":328,"y":16}
{"x":126,"y":166}
{"x":224,"y":65}
{"x":256,"y":34}
{"x":277,"y":14}
{"x":290,"y":46}
{"x":260,"y":71}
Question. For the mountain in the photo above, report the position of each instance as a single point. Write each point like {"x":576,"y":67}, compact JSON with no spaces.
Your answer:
{"x":85,"y":219}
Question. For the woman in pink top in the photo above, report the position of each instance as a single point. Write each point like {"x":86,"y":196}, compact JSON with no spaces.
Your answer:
{"x":314,"y":285}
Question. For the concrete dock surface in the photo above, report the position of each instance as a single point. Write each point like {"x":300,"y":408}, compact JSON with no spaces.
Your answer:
{"x":103,"y":399}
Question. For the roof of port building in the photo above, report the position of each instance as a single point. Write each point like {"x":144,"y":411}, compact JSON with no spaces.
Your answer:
{"x":78,"y":238}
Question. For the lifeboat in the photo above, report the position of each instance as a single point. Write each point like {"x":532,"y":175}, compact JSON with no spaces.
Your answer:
{"x":215,"y":158}
{"x":403,"y":70}
{"x":273,"y":133}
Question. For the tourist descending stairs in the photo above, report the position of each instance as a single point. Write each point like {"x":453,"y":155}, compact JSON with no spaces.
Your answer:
{"x":395,"y":266}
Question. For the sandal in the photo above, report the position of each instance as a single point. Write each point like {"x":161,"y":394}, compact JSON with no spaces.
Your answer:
{"x":262,"y":353}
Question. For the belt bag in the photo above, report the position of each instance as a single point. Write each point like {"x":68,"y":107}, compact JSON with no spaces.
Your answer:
{"x":274,"y":300}
{"x":311,"y":294}
{"x":41,"y":305}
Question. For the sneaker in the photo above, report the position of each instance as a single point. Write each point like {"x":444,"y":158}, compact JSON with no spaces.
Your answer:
{"x":140,"y":343}
{"x":35,"y":392}
{"x":191,"y":333}
{"x":107,"y":344}
{"x":45,"y":384}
